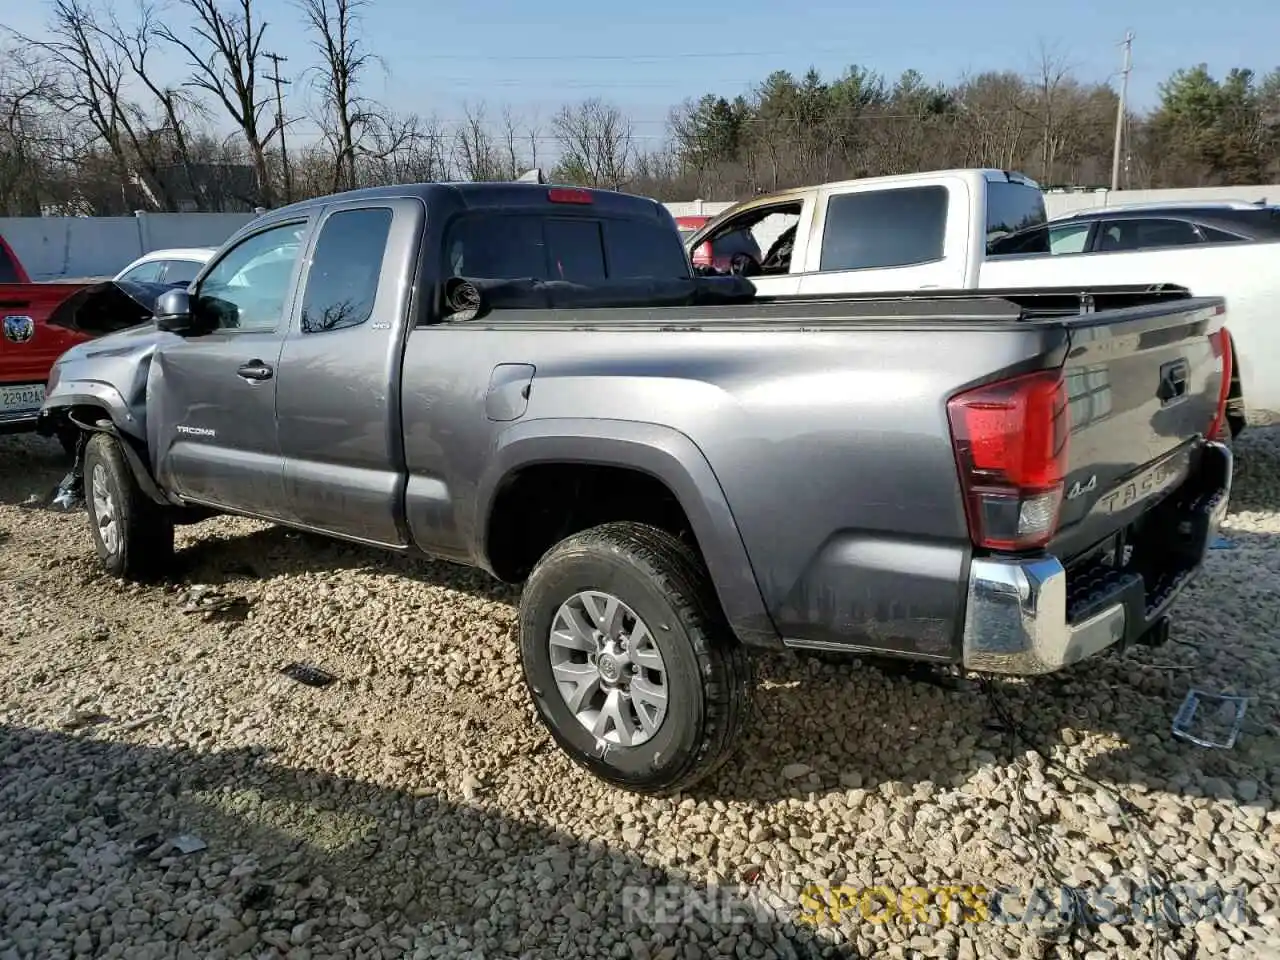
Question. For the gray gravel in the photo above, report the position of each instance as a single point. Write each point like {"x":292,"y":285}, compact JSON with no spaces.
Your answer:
{"x":414,"y":809}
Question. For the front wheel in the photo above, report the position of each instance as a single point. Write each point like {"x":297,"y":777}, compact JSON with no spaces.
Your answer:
{"x":133,"y":534}
{"x":629,"y":660}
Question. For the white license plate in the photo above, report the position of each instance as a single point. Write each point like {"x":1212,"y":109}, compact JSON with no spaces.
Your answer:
{"x":21,"y":399}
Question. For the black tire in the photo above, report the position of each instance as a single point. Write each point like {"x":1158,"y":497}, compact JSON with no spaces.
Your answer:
{"x":144,"y":529}
{"x":708,"y":671}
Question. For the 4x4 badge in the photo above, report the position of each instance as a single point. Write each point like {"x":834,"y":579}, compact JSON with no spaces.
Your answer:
{"x":1078,"y":490}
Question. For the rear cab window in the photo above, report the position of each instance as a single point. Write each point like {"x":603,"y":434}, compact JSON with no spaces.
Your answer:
{"x":1013,"y":207}
{"x":547,"y":246}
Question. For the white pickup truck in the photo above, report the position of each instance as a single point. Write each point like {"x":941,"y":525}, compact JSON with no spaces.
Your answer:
{"x":927,"y":231}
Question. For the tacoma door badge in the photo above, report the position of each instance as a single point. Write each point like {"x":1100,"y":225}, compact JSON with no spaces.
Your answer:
{"x":1079,"y":490}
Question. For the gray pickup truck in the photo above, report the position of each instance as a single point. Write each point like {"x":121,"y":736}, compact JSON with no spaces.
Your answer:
{"x":529,"y":379}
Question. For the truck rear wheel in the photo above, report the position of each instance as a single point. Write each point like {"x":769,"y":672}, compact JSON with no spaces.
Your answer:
{"x":133,"y":535}
{"x":631,"y":665}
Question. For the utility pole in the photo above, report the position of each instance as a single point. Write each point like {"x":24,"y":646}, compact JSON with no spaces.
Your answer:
{"x":276,"y":60}
{"x":1124,"y":92}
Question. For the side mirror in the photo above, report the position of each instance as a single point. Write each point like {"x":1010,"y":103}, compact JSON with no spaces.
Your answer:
{"x":173,"y":312}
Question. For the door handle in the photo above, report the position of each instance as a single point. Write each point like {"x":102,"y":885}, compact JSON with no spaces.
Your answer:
{"x":255,"y":370}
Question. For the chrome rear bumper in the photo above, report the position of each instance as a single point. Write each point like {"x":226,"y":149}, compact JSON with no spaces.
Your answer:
{"x":1017,"y":619}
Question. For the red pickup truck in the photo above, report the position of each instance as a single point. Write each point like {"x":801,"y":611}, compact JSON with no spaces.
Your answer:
{"x":28,"y":345}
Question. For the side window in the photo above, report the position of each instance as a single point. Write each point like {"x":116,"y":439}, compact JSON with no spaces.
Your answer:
{"x":145,"y":272}
{"x":1070,"y":239}
{"x":1146,"y":233}
{"x":343,"y":280}
{"x":182,"y":271}
{"x":884,"y":228}
{"x":248,"y":287}
{"x":1214,"y":235}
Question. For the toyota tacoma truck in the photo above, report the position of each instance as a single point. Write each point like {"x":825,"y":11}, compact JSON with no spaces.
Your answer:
{"x":530,"y":380}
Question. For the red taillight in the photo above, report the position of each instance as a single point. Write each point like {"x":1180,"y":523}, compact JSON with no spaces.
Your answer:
{"x":1222,"y":350}
{"x":1010,"y":442}
{"x":703,"y":255}
{"x":568,"y":195}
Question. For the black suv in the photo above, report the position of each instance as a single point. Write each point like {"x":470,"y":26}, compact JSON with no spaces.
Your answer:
{"x":1145,"y":227}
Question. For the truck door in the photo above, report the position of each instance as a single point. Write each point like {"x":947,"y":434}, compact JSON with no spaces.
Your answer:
{"x":212,"y":404}
{"x":338,"y":388}
{"x":898,"y":238}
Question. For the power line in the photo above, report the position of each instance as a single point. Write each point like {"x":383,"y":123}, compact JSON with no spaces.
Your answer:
{"x":642,"y":57}
{"x":276,"y":60}
{"x":1120,"y":110}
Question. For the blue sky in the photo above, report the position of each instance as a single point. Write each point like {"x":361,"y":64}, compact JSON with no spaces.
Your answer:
{"x":647,"y":56}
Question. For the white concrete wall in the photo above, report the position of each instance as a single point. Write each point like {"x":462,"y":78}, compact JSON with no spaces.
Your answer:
{"x":57,"y":247}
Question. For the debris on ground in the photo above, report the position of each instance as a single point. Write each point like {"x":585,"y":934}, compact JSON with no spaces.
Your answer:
{"x":1210,"y":719}
{"x":305,"y":673}
{"x":69,"y":495}
{"x":187,"y":843}
{"x":213,"y":604}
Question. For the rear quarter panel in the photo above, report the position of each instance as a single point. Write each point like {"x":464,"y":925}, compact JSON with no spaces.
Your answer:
{"x":831,"y":447}
{"x":1246,"y":274}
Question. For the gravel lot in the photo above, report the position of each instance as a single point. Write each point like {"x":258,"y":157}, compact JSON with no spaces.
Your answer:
{"x":414,"y":809}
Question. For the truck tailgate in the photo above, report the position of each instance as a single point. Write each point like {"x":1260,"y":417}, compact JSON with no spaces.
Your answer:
{"x":28,"y":346}
{"x":1139,"y":389}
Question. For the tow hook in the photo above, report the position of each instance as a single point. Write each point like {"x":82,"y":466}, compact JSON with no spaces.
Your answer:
{"x":1157,"y":635}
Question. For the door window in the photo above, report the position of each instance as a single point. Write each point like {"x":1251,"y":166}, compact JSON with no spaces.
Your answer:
{"x":144,"y":272}
{"x":1070,"y":239}
{"x":884,"y":228}
{"x":1137,"y":234}
{"x":181,"y":271}
{"x":1214,"y":235}
{"x":248,"y":288}
{"x":343,"y":280}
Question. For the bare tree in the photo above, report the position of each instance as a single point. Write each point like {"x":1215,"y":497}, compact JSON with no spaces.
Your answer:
{"x":28,"y":140}
{"x":1050,"y":107}
{"x":95,"y":70}
{"x":513,"y":157}
{"x":408,"y":149}
{"x":475,"y":151}
{"x":348,"y":118}
{"x":225,"y":56}
{"x":596,"y":143}
{"x":134,"y":43}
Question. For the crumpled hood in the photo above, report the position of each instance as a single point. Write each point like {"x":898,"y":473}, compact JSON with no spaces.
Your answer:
{"x":103,"y":308}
